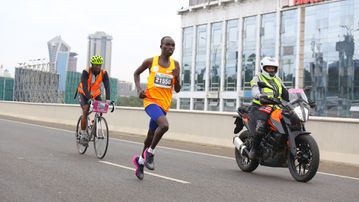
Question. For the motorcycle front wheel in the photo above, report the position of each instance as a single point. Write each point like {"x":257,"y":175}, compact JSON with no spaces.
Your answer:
{"x":304,"y":165}
{"x":243,"y":162}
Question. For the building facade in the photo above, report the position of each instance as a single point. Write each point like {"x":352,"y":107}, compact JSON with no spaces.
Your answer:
{"x":6,"y":88}
{"x":59,"y":54}
{"x":72,"y":62}
{"x":315,"y":42}
{"x":100,"y":43}
{"x":113,"y":89}
{"x":33,"y":85}
{"x":125,"y":88}
{"x":72,"y":81}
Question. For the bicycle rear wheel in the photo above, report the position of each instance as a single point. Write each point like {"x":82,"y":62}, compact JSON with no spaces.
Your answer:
{"x":80,"y":148}
{"x":101,"y":138}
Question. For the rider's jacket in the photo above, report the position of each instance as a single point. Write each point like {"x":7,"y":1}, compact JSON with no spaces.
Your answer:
{"x":160,"y":84}
{"x":93,"y":84}
{"x":274,"y":82}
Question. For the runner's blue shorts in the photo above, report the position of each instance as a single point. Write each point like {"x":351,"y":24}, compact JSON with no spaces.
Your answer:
{"x":154,"y":111}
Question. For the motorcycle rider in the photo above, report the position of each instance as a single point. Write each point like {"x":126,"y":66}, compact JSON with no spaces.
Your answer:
{"x":259,"y":112}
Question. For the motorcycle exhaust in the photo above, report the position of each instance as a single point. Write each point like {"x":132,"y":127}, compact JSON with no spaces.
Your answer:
{"x":237,"y":143}
{"x":242,"y":148}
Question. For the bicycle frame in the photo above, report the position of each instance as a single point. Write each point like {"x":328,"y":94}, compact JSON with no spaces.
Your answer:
{"x":94,"y":125}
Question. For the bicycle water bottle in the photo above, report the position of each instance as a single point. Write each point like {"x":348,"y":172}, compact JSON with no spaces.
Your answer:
{"x":89,"y":124}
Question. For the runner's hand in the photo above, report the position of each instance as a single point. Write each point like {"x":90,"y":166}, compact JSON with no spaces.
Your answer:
{"x":141,"y":94}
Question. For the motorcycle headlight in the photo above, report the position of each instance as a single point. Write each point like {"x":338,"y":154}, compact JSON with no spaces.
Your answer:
{"x":302,"y":113}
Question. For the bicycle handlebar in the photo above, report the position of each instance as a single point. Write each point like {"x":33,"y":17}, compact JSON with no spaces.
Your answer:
{"x":91,"y":101}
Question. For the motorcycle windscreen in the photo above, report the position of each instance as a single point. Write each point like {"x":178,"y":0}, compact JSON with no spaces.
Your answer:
{"x":297,"y":93}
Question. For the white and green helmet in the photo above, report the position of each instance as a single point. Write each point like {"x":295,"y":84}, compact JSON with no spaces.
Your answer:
{"x":268,"y":61}
{"x":96,"y":60}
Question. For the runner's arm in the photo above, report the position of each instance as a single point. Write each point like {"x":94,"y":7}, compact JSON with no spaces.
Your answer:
{"x":136,"y":75}
{"x":176,"y":74}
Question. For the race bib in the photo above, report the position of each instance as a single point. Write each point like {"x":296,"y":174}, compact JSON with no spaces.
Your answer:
{"x":163,"y":80}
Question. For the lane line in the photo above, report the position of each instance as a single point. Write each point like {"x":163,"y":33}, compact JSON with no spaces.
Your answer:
{"x":169,"y":148}
{"x":147,"y":173}
{"x":36,"y":125}
{"x":340,"y":176}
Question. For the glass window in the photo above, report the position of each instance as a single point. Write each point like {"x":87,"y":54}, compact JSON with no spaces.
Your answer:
{"x":230,"y":70}
{"x":248,"y":55}
{"x":268,"y":35}
{"x":229,"y":105}
{"x":331,"y":57}
{"x":187,"y":58}
{"x":185,"y":103}
{"x":213,"y":104}
{"x":201,"y":51}
{"x":198,"y":104}
{"x":288,"y":51}
{"x":216,"y":55}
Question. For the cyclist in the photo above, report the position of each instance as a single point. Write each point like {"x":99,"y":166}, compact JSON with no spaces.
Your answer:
{"x":259,"y":113}
{"x":90,"y":88}
{"x":163,"y":78}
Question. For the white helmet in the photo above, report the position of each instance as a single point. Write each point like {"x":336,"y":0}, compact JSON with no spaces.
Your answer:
{"x":268,"y":61}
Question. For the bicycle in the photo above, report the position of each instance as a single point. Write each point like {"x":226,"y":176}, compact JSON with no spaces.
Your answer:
{"x":96,"y":128}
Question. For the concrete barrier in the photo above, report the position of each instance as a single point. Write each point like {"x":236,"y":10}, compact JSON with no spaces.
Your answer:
{"x":337,"y":137}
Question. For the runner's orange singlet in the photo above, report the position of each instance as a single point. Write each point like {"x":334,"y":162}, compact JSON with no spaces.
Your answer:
{"x":160,"y":84}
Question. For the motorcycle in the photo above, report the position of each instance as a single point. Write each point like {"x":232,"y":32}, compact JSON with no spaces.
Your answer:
{"x":286,"y":143}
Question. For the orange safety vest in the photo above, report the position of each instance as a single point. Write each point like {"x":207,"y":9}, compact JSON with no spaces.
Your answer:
{"x":95,"y":87}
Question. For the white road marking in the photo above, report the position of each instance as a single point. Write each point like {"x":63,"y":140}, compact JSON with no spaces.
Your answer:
{"x":147,"y":173}
{"x":341,"y":176}
{"x":169,"y":148}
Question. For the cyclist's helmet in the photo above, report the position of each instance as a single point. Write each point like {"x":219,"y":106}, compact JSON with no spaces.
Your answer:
{"x":96,"y":60}
{"x":268,"y":61}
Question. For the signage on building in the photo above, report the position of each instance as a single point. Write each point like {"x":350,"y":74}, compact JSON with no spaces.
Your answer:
{"x":289,"y":3}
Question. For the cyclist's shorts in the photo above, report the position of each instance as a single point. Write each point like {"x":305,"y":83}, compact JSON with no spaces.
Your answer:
{"x":84,"y":101}
{"x":154,"y":111}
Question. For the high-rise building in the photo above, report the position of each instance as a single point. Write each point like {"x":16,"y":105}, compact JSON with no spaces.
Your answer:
{"x":100,"y":43}
{"x":223,"y":42}
{"x":72,"y":62}
{"x":59,"y":54}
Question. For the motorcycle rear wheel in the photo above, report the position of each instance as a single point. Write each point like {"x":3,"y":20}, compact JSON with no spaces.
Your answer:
{"x":305,"y":164}
{"x":244,"y":163}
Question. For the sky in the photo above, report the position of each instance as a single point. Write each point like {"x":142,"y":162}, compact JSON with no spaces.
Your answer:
{"x":136,"y":26}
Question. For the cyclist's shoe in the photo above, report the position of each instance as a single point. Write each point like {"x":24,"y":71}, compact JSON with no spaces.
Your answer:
{"x":149,"y":160}
{"x":139,"y":167}
{"x":84,"y":139}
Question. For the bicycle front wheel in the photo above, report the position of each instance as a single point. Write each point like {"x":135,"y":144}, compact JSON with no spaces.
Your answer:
{"x":101,"y":138}
{"x":80,"y":148}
